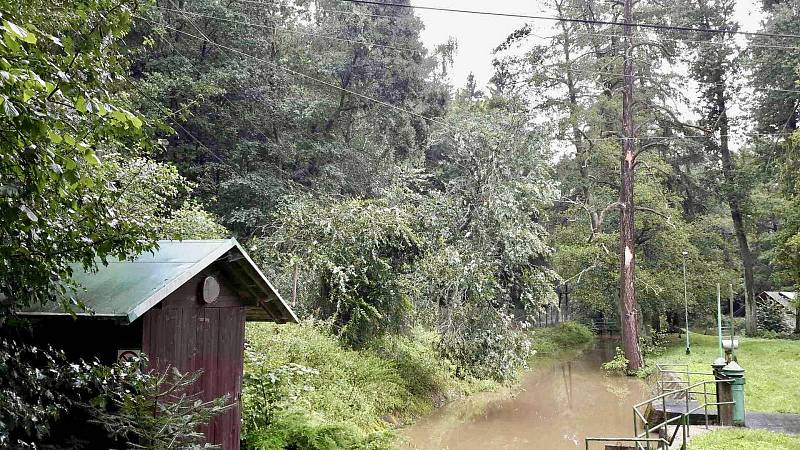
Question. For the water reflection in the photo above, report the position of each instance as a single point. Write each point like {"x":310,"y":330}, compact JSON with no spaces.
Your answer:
{"x":559,"y":404}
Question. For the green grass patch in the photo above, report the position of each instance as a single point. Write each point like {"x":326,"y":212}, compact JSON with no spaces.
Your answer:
{"x":772,"y":367}
{"x":394,"y":380}
{"x":563,"y":337}
{"x":326,"y":396}
{"x":297,"y":431}
{"x":743,"y":439}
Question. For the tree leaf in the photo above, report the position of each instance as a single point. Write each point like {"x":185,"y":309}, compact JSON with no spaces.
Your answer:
{"x":9,"y":109}
{"x":19,"y":32}
{"x":31,"y":215}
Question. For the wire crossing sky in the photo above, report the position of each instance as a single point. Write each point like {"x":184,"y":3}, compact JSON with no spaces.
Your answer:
{"x":478,"y":35}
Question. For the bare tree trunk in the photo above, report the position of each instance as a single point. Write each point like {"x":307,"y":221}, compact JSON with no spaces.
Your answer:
{"x":294,"y":286}
{"x":628,"y":307}
{"x":734,"y":202}
{"x":797,"y":318}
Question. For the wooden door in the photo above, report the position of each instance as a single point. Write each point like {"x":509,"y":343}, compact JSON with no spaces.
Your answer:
{"x":206,"y":338}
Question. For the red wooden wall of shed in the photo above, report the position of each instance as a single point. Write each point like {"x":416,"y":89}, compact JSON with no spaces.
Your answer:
{"x":187,"y":334}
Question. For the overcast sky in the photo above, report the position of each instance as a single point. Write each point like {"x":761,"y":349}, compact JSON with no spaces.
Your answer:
{"x":477,"y":35}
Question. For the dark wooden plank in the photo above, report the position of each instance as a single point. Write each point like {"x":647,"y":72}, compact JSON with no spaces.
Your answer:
{"x":167,"y":346}
{"x":209,"y":350}
{"x":226,"y":363}
{"x":238,"y":370}
{"x":155,"y":326}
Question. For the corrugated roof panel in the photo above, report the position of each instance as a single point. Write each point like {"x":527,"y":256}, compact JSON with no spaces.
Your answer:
{"x":127,"y":289}
{"x":117,"y":289}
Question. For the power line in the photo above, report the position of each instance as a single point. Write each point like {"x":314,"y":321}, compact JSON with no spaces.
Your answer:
{"x":573,"y":20}
{"x":366,"y":14}
{"x":335,"y":11}
{"x":324,"y":36}
{"x":680,"y":40}
{"x":301,"y":75}
{"x":678,"y":138}
{"x":417,"y":50}
{"x":169,"y":113}
{"x":701,"y":83}
{"x":368,"y":43}
{"x":403,"y":110}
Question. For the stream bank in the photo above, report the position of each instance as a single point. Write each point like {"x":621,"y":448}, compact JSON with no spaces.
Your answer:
{"x":562,"y":400}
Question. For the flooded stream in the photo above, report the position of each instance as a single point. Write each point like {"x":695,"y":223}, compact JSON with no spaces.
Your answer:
{"x":560,"y":403}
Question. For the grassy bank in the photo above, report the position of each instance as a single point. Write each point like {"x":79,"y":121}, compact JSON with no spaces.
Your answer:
{"x":318,"y":394}
{"x":743,"y":439}
{"x":771,"y":368}
{"x":565,"y":337}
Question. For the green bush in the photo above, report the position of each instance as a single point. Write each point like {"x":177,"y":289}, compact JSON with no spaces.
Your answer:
{"x":564,"y":336}
{"x":394,"y":379}
{"x":484,"y":344}
{"x":653,"y":345}
{"x":767,"y":334}
{"x":296,"y":431}
{"x":618,"y":364}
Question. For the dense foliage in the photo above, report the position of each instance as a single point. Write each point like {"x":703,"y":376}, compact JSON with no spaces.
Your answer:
{"x":303,"y":387}
{"x":59,"y":120}
{"x":424,"y":226}
{"x":78,"y":188}
{"x":51,"y":401}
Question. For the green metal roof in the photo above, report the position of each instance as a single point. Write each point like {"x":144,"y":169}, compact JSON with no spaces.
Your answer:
{"x":127,"y":289}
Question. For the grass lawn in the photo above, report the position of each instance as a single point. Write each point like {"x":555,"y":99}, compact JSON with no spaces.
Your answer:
{"x":743,"y":439}
{"x":772,"y":369}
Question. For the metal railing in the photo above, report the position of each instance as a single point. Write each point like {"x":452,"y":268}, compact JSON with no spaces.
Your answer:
{"x":642,"y":435}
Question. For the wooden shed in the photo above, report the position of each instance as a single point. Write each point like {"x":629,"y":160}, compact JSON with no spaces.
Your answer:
{"x":783,"y":302}
{"x":184,"y":305}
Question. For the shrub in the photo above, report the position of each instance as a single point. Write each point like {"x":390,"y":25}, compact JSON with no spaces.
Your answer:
{"x":618,"y":364}
{"x":296,"y":431}
{"x":483,"y":343}
{"x":654,"y":345}
{"x":566,"y":335}
{"x":396,"y":376}
{"x":267,"y":389}
{"x":570,"y":334}
{"x":47,"y":400}
{"x":154,"y":410}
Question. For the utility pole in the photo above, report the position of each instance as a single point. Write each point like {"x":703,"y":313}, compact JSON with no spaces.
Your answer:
{"x":686,"y":305}
{"x":630,"y":328}
{"x":294,"y":286}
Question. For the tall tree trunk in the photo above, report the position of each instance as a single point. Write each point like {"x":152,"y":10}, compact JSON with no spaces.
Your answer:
{"x":734,"y":202}
{"x":294,"y":285}
{"x":797,"y":318}
{"x":628,"y":309}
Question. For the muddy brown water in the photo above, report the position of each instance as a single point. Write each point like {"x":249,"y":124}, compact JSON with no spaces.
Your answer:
{"x":559,"y":403}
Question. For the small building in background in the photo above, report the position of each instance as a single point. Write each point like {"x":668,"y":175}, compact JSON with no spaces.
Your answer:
{"x":183,"y":305}
{"x":782,"y":304}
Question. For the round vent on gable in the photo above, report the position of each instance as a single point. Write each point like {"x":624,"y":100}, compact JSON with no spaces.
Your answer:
{"x":210,"y":289}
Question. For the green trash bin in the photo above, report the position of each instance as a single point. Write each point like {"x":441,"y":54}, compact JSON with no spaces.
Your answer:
{"x":736,"y":373}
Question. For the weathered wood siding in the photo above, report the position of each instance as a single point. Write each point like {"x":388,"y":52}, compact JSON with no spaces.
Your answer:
{"x":191,"y":336}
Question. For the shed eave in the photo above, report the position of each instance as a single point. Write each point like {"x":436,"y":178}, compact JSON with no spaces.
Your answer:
{"x":179,"y":281}
{"x":281,"y":301}
{"x":76,"y":314}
